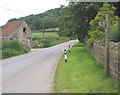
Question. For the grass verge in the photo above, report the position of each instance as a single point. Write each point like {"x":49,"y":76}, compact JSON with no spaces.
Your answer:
{"x":82,"y":74}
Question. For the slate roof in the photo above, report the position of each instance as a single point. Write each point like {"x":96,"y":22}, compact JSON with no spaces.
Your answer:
{"x":10,"y":27}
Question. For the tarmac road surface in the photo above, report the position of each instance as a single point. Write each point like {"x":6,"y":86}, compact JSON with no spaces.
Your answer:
{"x":32,"y":72}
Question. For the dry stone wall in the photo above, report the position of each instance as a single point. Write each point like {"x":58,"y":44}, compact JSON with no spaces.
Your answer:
{"x":98,"y":52}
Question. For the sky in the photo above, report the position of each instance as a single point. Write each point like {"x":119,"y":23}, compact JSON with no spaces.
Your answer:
{"x":20,"y":8}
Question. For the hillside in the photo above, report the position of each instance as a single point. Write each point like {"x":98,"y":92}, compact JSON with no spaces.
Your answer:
{"x":49,"y":19}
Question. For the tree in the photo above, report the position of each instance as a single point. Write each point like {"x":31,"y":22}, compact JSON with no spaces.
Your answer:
{"x":114,"y":33}
{"x":77,"y":18}
{"x":96,"y":32}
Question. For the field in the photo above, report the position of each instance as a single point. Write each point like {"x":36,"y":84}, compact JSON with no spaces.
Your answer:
{"x":50,"y":39}
{"x":46,"y":34}
{"x":47,"y":30}
{"x":82,"y":74}
{"x":52,"y":29}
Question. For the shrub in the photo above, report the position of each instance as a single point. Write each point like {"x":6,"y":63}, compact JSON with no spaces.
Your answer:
{"x":5,"y":44}
{"x":36,"y":38}
{"x":12,"y":48}
{"x":96,"y":32}
{"x":12,"y":45}
{"x":47,"y":43}
{"x":90,"y":42}
{"x":114,"y":34}
{"x":7,"y":52}
{"x":15,"y":45}
{"x":26,"y":50}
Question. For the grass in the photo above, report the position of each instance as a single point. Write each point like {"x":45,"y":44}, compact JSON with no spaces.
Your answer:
{"x":47,"y":30}
{"x":46,"y":34}
{"x":82,"y":74}
{"x":79,"y":45}
{"x":51,"y":39}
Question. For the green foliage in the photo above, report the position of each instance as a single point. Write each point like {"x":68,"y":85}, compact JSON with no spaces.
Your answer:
{"x":76,"y":20}
{"x":82,"y":74}
{"x":5,"y":44}
{"x":12,"y":44}
{"x":46,"y":34}
{"x":12,"y":48}
{"x":114,"y":33}
{"x":96,"y":32}
{"x":26,"y":50}
{"x":90,"y":42}
{"x":49,"y":18}
{"x":7,"y":52}
{"x":36,"y":38}
{"x":50,"y":39}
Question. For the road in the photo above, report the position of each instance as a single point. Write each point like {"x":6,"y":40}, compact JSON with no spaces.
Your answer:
{"x":32,"y":72}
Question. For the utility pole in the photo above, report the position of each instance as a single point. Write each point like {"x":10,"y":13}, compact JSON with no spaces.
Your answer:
{"x":64,"y":25}
{"x":107,"y":46}
{"x":43,"y":31}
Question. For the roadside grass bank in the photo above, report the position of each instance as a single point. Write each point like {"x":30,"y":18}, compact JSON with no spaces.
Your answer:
{"x":50,"y":39}
{"x":12,"y":48}
{"x":82,"y":74}
{"x":79,"y":45}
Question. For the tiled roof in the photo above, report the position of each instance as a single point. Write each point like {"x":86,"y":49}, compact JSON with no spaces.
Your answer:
{"x":10,"y":27}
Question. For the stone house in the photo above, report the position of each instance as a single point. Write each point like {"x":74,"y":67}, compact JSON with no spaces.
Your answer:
{"x":19,"y":31}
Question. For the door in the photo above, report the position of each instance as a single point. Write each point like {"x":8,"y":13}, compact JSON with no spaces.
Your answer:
{"x":29,"y":42}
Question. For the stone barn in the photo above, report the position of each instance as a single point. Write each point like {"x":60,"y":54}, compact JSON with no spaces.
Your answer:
{"x":19,"y":31}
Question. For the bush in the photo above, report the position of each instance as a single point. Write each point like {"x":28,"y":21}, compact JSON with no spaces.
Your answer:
{"x":114,"y":33}
{"x":12,"y":48}
{"x":47,"y":43}
{"x":90,"y":42}
{"x":12,"y":45}
{"x":15,"y":45}
{"x":5,"y":44}
{"x":36,"y":38}
{"x":26,"y":50}
{"x":7,"y":52}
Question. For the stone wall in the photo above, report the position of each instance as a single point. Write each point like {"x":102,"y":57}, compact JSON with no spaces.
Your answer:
{"x":24,"y":37}
{"x":98,"y":52}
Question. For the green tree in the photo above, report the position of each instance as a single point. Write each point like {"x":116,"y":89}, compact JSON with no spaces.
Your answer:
{"x":114,"y":33}
{"x":76,"y":20}
{"x":96,"y":32}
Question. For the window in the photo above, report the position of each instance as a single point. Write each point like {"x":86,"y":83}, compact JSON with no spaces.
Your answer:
{"x":11,"y":38}
{"x":24,"y":29}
